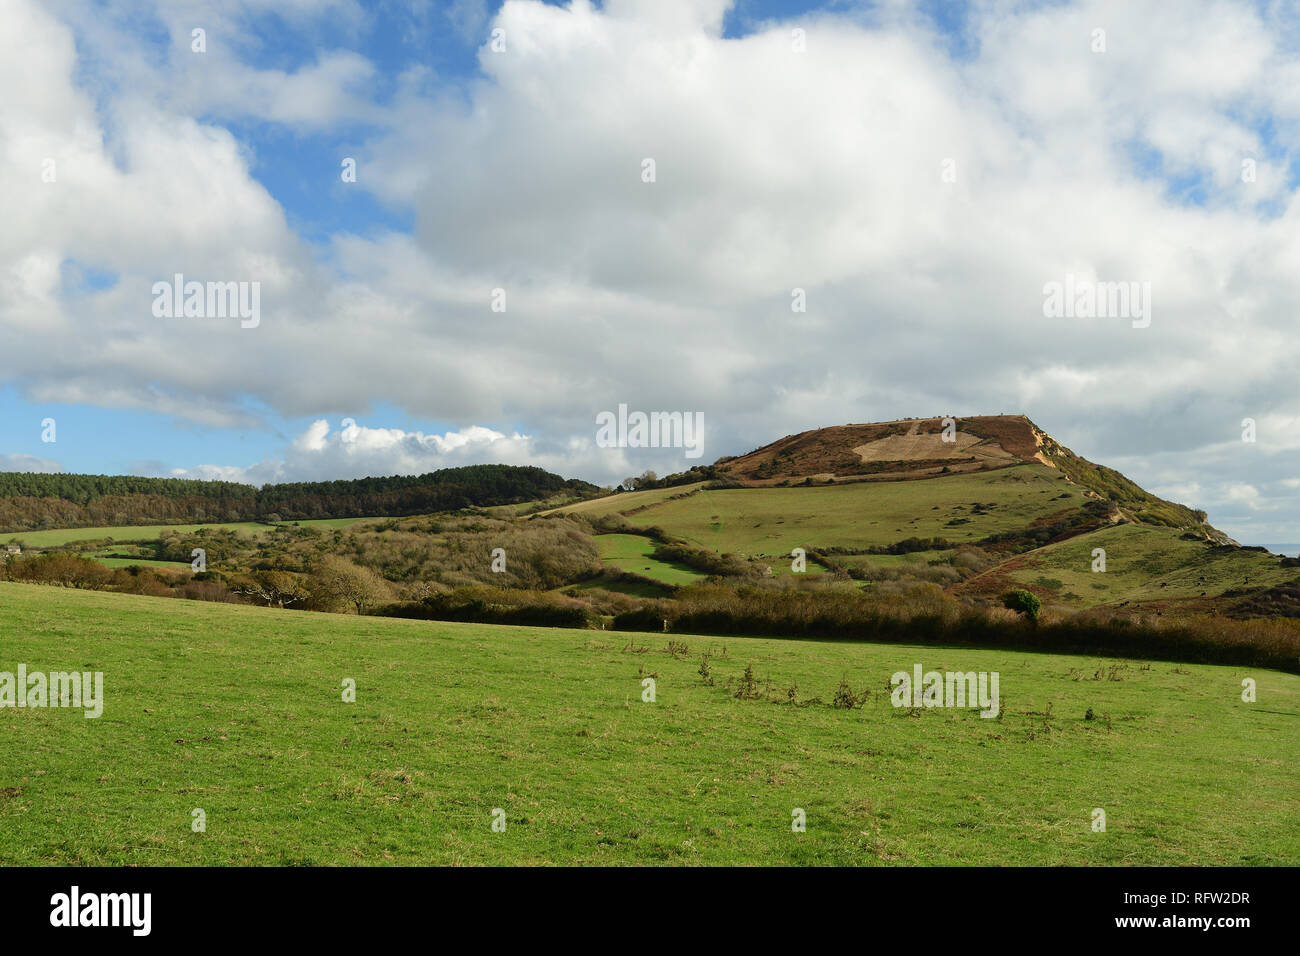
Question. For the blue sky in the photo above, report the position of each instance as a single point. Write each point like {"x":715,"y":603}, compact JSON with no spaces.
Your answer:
{"x":780,"y":166}
{"x":294,"y":166}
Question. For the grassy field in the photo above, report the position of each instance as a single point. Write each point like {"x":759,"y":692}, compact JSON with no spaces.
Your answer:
{"x":626,"y":501}
{"x":889,"y":560}
{"x":782,"y":565}
{"x":144,"y":562}
{"x":238,"y":711}
{"x":632,"y":552}
{"x":773,"y":521}
{"x":524,"y":508}
{"x":37,"y":540}
{"x":1139,"y":559}
{"x":606,"y":582}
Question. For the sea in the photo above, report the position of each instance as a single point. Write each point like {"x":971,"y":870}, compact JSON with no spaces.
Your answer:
{"x":1290,"y":550}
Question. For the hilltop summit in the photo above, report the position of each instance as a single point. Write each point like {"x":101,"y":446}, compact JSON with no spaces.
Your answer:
{"x":908,"y":448}
{"x":933,"y":448}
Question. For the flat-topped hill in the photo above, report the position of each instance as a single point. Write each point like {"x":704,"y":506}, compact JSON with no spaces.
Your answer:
{"x":922,"y":448}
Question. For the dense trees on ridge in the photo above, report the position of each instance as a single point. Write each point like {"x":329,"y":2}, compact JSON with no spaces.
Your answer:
{"x":33,"y":501}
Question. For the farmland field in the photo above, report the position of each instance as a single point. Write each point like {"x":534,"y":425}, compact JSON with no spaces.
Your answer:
{"x":772,"y":521}
{"x":632,"y":552}
{"x":889,"y":560}
{"x":237,"y":711}
{"x":626,"y":501}
{"x":1143,"y":562}
{"x":60,"y":537}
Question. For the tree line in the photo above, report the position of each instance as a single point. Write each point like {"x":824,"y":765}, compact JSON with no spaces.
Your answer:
{"x":31,"y":501}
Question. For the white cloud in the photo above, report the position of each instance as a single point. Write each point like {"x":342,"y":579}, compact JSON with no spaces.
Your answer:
{"x":29,"y":463}
{"x":1244,"y":494}
{"x":356,"y":451}
{"x":819,"y":170}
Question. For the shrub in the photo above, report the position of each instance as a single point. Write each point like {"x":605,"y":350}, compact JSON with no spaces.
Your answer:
{"x":747,"y":688}
{"x":337,"y":581}
{"x":493,"y":606}
{"x":844,"y":697}
{"x":59,"y":568}
{"x":641,"y":619}
{"x":1023,"y":602}
{"x":700,"y":559}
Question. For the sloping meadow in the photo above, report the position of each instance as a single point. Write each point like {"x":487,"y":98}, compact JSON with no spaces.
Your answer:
{"x":299,"y":738}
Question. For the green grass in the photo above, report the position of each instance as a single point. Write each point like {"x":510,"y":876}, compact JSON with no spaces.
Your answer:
{"x":782,"y":565}
{"x":324,"y":523}
{"x":772,"y":521}
{"x":632,"y":552}
{"x":523,"y":508}
{"x":888,"y":560}
{"x":626,"y":501}
{"x":642,"y":589}
{"x":37,"y":540}
{"x":1139,"y":558}
{"x":237,"y":711}
{"x":127,"y":555}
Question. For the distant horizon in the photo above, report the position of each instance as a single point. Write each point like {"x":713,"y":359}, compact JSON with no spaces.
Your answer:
{"x":1288,"y":549}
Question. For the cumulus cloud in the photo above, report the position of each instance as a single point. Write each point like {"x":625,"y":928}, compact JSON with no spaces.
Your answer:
{"x":920,"y":198}
{"x":29,"y":463}
{"x":357,"y":451}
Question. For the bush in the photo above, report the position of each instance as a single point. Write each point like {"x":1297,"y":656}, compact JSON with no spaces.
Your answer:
{"x":700,"y":559}
{"x":336,"y":581}
{"x":497,"y":606}
{"x":844,"y":698}
{"x":641,"y":619}
{"x":59,"y":568}
{"x":1023,"y":602}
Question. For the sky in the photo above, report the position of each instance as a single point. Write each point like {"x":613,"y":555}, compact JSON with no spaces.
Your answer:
{"x":470,"y":228}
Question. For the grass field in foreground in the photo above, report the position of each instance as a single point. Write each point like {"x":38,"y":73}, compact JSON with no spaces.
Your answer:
{"x":237,"y":711}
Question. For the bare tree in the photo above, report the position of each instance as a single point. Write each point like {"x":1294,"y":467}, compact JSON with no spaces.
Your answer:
{"x":343,"y":582}
{"x":276,"y":588}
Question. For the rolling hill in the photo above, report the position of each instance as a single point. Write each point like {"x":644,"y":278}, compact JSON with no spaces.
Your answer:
{"x":986,"y":504}
{"x":976,"y":506}
{"x":243,"y":713}
{"x":923,"y":448}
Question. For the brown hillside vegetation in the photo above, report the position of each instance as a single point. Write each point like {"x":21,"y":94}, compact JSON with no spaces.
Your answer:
{"x":915,"y":448}
{"x":909,"y":448}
